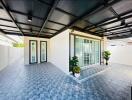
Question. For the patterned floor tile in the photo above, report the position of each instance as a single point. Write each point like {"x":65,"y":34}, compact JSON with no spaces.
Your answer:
{"x":47,"y":82}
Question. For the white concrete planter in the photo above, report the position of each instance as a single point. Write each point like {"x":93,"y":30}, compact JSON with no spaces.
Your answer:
{"x":77,"y":75}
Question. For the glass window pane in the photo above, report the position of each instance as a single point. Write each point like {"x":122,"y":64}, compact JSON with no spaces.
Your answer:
{"x":87,"y":51}
{"x":33,"y":51}
{"x":43,"y":52}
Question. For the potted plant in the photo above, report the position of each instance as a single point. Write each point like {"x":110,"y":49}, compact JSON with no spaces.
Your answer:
{"x":74,"y":65}
{"x":76,"y":70}
{"x":107,"y":56}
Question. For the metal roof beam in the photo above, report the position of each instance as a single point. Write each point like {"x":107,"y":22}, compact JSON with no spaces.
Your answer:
{"x":25,"y":24}
{"x":30,"y":35}
{"x":4,"y":34}
{"x":112,"y":20}
{"x":114,"y":12}
{"x":93,"y":11}
{"x":117,"y":33}
{"x":56,"y":23}
{"x":85,"y":31}
{"x":22,"y":13}
{"x":94,"y":26}
{"x":65,"y":12}
{"x":9,"y":14}
{"x":98,"y":27}
{"x":122,"y":21}
{"x":121,"y":37}
{"x":122,"y":18}
{"x":27,"y":30}
{"x":42,"y":1}
{"x":49,"y":14}
{"x":114,"y":29}
{"x":40,"y":18}
{"x":19,"y":22}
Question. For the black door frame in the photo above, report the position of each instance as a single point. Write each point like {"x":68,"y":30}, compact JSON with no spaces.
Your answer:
{"x":40,"y":51}
{"x":30,"y":52}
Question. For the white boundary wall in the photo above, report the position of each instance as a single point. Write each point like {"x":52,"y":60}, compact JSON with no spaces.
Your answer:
{"x":8,"y":55}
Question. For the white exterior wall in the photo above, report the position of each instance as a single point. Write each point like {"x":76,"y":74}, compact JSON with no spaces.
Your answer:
{"x":9,"y":55}
{"x":59,"y":51}
{"x":26,"y":49}
{"x":121,"y":54}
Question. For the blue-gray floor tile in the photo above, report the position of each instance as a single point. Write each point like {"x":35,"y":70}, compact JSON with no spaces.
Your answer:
{"x":46,"y":82}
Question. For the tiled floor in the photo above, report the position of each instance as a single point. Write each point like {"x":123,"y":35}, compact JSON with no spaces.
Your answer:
{"x":87,"y":72}
{"x":46,"y":82}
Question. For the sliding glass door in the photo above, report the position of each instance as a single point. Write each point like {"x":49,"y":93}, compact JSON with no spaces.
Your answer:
{"x":87,"y":50}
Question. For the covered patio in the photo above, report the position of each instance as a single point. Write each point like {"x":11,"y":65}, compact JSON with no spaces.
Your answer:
{"x":39,"y":38}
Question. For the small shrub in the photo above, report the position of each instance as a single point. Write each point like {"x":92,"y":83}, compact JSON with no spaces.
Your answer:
{"x":76,"y":69}
{"x":107,"y":56}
